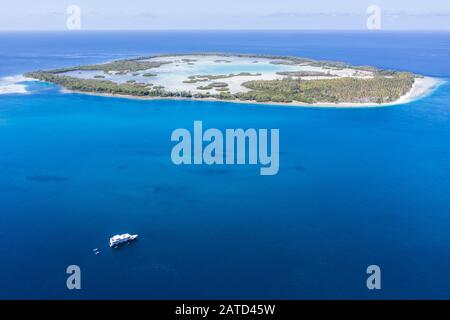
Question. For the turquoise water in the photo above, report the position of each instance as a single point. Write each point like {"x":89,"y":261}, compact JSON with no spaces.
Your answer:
{"x":356,"y":186}
{"x":236,"y":68}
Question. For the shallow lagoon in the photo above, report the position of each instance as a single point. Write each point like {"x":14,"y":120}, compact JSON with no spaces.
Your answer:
{"x":177,"y":70}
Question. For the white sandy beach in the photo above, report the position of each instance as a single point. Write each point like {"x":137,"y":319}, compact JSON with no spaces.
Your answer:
{"x":421,"y":87}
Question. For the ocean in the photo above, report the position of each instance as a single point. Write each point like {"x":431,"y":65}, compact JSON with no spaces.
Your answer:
{"x":356,"y":187}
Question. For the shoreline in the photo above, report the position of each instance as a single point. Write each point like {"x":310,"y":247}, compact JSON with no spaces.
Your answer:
{"x":172,"y":77}
{"x":12,"y":84}
{"x":421,"y":88}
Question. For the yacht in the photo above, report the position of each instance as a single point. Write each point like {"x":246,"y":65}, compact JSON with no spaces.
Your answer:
{"x":121,"y":239}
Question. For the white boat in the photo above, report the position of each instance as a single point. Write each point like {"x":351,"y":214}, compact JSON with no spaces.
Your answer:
{"x":121,"y":239}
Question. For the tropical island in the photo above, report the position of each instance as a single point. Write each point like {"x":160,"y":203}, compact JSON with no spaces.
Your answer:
{"x":242,"y":78}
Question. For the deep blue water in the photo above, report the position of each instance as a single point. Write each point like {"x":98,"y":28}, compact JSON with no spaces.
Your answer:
{"x":355,"y":188}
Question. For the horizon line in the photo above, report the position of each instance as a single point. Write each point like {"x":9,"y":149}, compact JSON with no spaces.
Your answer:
{"x":218,"y":30}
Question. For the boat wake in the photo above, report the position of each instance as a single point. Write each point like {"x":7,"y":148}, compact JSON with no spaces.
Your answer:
{"x":13,"y":84}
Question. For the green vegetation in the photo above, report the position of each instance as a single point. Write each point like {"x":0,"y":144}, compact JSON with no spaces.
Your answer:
{"x":121,"y":66}
{"x":305,"y":74}
{"x":148,"y":75}
{"x":245,"y":74}
{"x":350,"y":90}
{"x":284,"y":62}
{"x":219,"y":84}
{"x":213,"y":85}
{"x":91,"y":85}
{"x":189,"y":60}
{"x":222,"y":89}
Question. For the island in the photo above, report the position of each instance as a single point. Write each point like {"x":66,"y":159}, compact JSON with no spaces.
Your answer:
{"x":241,"y":78}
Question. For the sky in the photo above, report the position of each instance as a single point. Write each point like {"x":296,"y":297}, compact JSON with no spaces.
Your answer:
{"x":225,"y":14}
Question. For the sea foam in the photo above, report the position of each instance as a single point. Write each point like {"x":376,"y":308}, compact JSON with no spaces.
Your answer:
{"x":13,"y":84}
